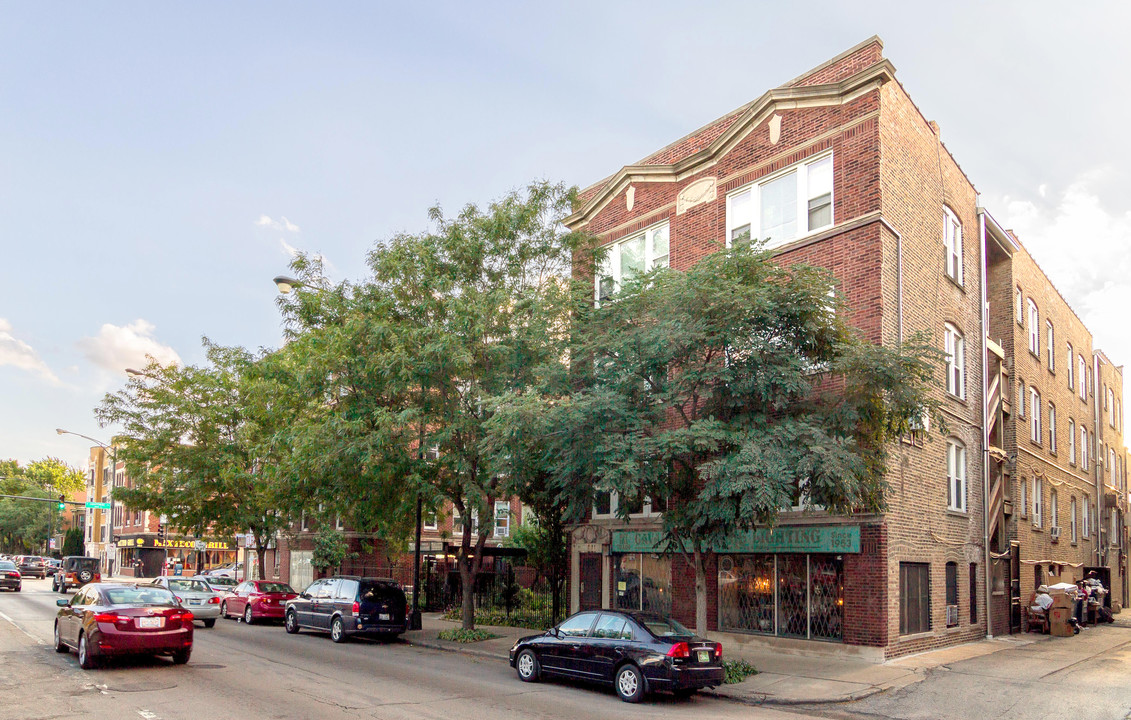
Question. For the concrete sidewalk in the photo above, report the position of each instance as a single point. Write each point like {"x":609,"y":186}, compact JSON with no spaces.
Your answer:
{"x":782,"y":679}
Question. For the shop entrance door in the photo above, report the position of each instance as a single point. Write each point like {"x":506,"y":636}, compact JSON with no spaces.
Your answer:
{"x":590,"y":578}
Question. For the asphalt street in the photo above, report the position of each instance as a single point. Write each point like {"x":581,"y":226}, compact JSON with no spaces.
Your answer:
{"x":251,"y":672}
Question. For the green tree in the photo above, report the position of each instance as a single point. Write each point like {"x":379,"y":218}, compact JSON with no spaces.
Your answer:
{"x":409,"y":359}
{"x":725,"y":394}
{"x":26,"y":524}
{"x":196,"y":441}
{"x":72,"y":543}
{"x":330,"y":549}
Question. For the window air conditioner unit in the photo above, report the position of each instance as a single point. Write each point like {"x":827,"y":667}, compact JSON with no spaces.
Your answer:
{"x":951,"y":615}
{"x":1054,"y":532}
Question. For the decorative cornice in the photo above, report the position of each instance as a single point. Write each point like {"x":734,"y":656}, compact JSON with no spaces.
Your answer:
{"x":753,"y":115}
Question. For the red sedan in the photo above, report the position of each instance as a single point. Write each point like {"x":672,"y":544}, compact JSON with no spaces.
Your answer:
{"x":258,"y":600}
{"x":104,"y":619}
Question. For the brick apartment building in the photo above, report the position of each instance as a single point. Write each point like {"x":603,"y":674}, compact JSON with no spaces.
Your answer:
{"x":837,"y":168}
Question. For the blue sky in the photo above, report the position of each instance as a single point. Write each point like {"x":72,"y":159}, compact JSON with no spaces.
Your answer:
{"x":159,"y":160}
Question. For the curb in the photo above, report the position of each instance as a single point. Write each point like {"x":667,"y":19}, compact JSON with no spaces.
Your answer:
{"x":433,"y":645}
{"x":765,"y":699}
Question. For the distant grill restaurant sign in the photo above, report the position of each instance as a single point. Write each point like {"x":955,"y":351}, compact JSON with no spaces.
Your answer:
{"x":793,"y":539}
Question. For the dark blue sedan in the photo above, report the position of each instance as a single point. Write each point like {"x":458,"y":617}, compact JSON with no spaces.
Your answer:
{"x":635,"y":652}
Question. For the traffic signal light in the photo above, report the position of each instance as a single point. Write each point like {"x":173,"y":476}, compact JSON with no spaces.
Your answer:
{"x":62,"y":504}
{"x":161,"y":533}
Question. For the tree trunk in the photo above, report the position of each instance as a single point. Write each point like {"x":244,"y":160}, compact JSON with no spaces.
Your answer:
{"x":700,"y":593}
{"x":261,"y":553}
{"x":467,"y":591}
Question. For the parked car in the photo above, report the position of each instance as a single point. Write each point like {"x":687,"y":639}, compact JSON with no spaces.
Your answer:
{"x":75,"y":571}
{"x":10,"y":578}
{"x":258,"y":600}
{"x":232,"y":570}
{"x":635,"y":652}
{"x":349,"y":605}
{"x":32,"y":566}
{"x":222,"y":586}
{"x":53,"y":565}
{"x":195,"y":595}
{"x":105,"y":619}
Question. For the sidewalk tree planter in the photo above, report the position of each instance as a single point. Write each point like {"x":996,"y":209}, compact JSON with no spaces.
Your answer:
{"x":463,"y":635}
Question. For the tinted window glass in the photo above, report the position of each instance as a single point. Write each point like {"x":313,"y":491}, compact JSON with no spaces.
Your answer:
{"x":611,"y":627}
{"x":377,"y":590}
{"x":578,"y":625}
{"x":188,"y":586}
{"x":313,"y":588}
{"x":664,"y":627}
{"x":5,"y":565}
{"x":274,"y":587}
{"x":139,"y":596}
{"x":327,"y":589}
{"x":347,"y":590}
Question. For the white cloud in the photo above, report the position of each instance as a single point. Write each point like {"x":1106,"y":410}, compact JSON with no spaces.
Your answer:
{"x":1085,"y":249}
{"x":288,"y":249}
{"x":116,"y":348}
{"x":281,"y":224}
{"x":17,"y":353}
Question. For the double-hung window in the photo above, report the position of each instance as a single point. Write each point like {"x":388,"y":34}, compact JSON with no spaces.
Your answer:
{"x":1034,"y":415}
{"x":1071,"y":375}
{"x":1085,"y":515}
{"x":955,"y":362}
{"x":632,"y":256}
{"x":1034,"y":328}
{"x":1110,"y":408}
{"x":502,"y":518}
{"x":952,"y":241}
{"x":1052,"y":427}
{"x":1038,"y":489}
{"x":1052,"y":347}
{"x":956,"y":476}
{"x":1071,"y":441}
{"x":1054,"y":509}
{"x":788,"y":205}
{"x":1083,"y":447}
{"x":1083,"y":369}
{"x":1072,"y":519}
{"x":1018,"y":306}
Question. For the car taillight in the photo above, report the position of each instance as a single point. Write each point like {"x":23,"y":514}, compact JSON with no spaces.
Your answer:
{"x":718,"y":651}
{"x":185,"y":617}
{"x":215,"y":600}
{"x":356,"y":608}
{"x":110,"y":617}
{"x":679,"y":650}
{"x":12,"y":574}
{"x":179,"y":598}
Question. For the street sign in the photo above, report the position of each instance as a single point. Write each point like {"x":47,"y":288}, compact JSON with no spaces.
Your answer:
{"x":248,"y":540}
{"x":51,"y":544}
{"x":98,"y":506}
{"x":200,"y":545}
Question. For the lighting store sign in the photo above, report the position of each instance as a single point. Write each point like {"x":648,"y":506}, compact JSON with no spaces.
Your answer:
{"x":795,"y":539}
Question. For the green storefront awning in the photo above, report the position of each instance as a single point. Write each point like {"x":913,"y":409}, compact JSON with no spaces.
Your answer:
{"x":788,"y":539}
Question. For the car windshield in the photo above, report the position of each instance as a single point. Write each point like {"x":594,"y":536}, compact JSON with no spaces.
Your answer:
{"x":139,"y":596}
{"x":664,"y":627}
{"x":5,"y":565}
{"x":220,"y":580}
{"x":274,"y":587}
{"x":188,"y":586}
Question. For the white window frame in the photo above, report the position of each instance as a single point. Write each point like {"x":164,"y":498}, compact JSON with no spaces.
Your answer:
{"x":804,"y":196}
{"x":955,"y":475}
{"x":504,"y":529}
{"x":1034,"y":415}
{"x":1071,"y":441}
{"x":611,"y":266}
{"x":1052,"y":345}
{"x":952,"y":242}
{"x":1019,"y":306}
{"x":1083,"y":447}
{"x":457,"y":521}
{"x":1034,"y":328}
{"x":955,"y":348}
{"x":1054,"y":508}
{"x":1071,"y":367}
{"x":1038,"y":489}
{"x":1052,"y":427}
{"x":429,"y":521}
{"x":1085,"y":516}
{"x":1072,"y":520}
{"x":614,"y":507}
{"x":1083,"y":379}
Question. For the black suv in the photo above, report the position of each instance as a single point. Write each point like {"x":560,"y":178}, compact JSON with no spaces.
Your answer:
{"x":349,"y":605}
{"x":75,"y":571}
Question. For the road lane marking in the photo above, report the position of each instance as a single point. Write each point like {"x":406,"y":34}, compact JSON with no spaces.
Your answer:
{"x":147,"y":715}
{"x":25,"y":632}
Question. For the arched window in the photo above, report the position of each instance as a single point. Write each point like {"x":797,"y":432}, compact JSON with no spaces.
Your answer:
{"x":1034,"y":415}
{"x":1071,"y":441}
{"x":952,"y":240}
{"x":1052,"y":427}
{"x":1071,"y":373}
{"x":955,"y":475}
{"x":1051,"y":346}
{"x":1083,"y":447}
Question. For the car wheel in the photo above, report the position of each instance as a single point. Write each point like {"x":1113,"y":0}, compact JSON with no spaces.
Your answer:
{"x":291,"y":622}
{"x":54,"y":585}
{"x":527,"y":666}
{"x":181,"y":657}
{"x":247,"y":618}
{"x":337,"y":630}
{"x":85,"y":576}
{"x":60,"y":646}
{"x":86,"y":658}
{"x":210,"y":622}
{"x":630,"y":683}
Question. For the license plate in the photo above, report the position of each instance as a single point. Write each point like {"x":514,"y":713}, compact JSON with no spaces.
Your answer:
{"x":151,"y":622}
{"x":704,"y":656}
{"x":194,"y":602}
{"x":383,"y":616}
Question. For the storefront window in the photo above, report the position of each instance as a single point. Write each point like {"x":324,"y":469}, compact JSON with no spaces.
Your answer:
{"x":788,"y":594}
{"x":643,"y":582}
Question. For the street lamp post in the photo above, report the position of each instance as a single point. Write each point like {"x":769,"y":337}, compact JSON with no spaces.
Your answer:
{"x":286,"y":285}
{"x":113,"y":480}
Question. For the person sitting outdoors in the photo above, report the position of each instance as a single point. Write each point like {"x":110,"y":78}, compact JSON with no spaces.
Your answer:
{"x":1039,"y":608}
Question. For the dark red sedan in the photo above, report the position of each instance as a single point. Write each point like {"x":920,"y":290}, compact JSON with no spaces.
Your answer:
{"x":105,"y":619}
{"x":258,"y":600}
